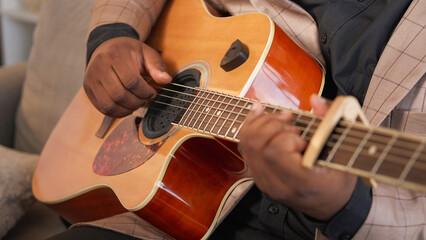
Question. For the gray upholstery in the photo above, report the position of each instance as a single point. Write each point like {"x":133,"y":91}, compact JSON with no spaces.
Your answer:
{"x":52,"y":76}
{"x":11,"y":80}
{"x":55,"y":70}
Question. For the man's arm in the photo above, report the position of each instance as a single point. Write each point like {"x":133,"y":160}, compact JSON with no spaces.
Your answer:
{"x":139,"y":14}
{"x":117,"y":58}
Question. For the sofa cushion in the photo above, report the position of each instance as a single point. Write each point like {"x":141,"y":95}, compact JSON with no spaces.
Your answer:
{"x":16,"y":169}
{"x":55,"y":70}
{"x":11,"y":81}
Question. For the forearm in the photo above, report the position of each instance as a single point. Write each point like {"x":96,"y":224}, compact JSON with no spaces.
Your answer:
{"x":117,"y":18}
{"x":139,"y":14}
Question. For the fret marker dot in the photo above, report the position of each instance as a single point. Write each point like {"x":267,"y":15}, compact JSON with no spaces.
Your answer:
{"x":218,"y":113}
{"x":234,"y":130}
{"x":372,"y":150}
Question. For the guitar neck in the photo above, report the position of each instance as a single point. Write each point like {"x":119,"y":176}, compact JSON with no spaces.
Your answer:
{"x":386,"y":155}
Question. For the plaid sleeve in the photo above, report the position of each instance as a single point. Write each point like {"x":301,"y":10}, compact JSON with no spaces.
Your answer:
{"x":396,"y":213}
{"x":139,"y":14}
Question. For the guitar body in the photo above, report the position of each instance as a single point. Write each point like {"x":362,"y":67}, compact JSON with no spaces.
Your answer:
{"x":179,"y":181}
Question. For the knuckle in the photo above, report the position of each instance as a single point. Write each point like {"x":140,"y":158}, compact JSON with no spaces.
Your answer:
{"x":107,"y":108}
{"x":270,"y":153}
{"x":119,"y":96}
{"x":131,"y":83}
{"x":98,"y":57}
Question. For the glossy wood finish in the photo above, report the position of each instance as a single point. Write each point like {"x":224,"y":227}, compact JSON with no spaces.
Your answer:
{"x":93,"y":205}
{"x":197,"y":179}
{"x":288,"y":77}
{"x":185,"y":34}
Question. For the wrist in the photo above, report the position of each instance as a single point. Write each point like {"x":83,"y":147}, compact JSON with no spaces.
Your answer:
{"x":328,"y":204}
{"x":351,"y":217}
{"x":106,"y":32}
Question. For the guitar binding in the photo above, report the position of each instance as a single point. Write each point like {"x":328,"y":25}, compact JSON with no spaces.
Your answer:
{"x":168,"y":105}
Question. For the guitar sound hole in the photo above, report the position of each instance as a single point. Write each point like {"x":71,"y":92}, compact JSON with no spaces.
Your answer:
{"x":169,"y":103}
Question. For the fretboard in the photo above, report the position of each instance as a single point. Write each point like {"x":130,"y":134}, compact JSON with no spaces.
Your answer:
{"x":378,"y":153}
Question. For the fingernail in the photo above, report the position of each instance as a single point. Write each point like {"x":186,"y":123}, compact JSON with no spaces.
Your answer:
{"x":319,"y":98}
{"x":285,"y":114}
{"x":164,"y":75}
{"x":256,"y":107}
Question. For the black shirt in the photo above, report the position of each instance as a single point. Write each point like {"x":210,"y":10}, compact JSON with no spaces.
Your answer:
{"x":353,"y":34}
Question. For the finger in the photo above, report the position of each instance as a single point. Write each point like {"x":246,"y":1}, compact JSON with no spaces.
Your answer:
{"x":119,"y":94}
{"x":285,"y":142}
{"x":284,"y":154}
{"x":285,"y":115}
{"x":155,"y":66}
{"x":102,"y":101}
{"x":127,"y":69}
{"x":256,"y":110}
{"x":132,"y":81}
{"x":263,"y":125}
{"x":319,"y":104}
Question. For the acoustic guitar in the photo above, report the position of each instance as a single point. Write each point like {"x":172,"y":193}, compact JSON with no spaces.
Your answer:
{"x":175,"y":163}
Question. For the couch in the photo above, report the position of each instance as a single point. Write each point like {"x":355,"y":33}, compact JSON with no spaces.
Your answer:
{"x":33,"y":95}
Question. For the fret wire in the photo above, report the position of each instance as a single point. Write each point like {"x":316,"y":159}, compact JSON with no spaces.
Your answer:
{"x":338,"y":143}
{"x":297,"y":118}
{"x":202,"y":108}
{"x":389,"y":158}
{"x":222,"y":111}
{"x":233,"y":121}
{"x":359,"y":148}
{"x":333,"y":136}
{"x":241,"y":125}
{"x":225,"y":109}
{"x":226,"y":119}
{"x":213,"y":93}
{"x":192,"y":102}
{"x":232,"y":96}
{"x":196,"y":111}
{"x":216,"y":110}
{"x":299,"y":114}
{"x":308,"y":128}
{"x":331,"y":145}
{"x":379,"y":146}
{"x":404,"y":149}
{"x":192,"y":110}
{"x":366,"y":174}
{"x":383,"y":155}
{"x":229,"y":95}
{"x":187,"y":113}
{"x":412,"y":161}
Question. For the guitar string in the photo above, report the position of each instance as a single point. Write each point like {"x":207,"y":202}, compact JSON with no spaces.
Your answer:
{"x":418,"y":165}
{"x":237,"y":98}
{"x":364,"y":152}
{"x":298,"y":112}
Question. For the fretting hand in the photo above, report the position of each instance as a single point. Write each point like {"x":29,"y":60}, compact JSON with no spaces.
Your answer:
{"x":273,"y":150}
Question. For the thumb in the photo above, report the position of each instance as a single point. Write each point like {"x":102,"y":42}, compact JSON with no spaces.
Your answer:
{"x":319,"y":104}
{"x":155,"y":66}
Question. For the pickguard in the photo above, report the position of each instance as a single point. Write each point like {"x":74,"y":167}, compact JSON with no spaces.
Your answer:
{"x":122,"y":151}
